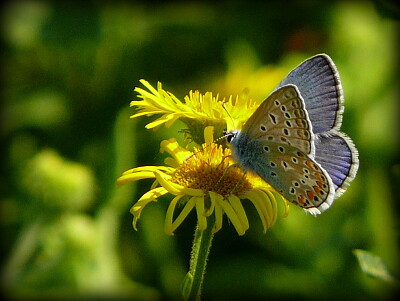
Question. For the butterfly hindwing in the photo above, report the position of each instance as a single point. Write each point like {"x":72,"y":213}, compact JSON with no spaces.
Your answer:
{"x":319,"y":84}
{"x":338,"y":156}
{"x":296,"y":176}
{"x":282,"y":118}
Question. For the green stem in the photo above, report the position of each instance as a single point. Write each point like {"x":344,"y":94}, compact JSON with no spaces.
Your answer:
{"x":193,"y":281}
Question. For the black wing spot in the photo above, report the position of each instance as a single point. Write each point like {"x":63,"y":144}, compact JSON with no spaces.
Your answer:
{"x":281,"y":149}
{"x":266,"y":148}
{"x":273,"y":118}
{"x":263,"y":128}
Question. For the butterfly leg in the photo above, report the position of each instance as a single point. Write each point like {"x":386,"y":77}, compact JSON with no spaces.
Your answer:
{"x":238,"y":183}
{"x":223,"y":176}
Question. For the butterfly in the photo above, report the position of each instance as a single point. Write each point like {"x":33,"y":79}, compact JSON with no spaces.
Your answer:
{"x":293,"y":139}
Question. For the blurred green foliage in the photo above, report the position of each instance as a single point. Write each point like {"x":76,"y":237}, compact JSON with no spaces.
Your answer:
{"x":69,"y":71}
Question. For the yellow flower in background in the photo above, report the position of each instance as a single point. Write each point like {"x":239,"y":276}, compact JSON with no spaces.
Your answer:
{"x":197,"y":110}
{"x":246,"y":74}
{"x":204,"y":180}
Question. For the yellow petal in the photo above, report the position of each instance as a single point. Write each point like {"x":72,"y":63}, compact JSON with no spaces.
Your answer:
{"x":171,"y":162}
{"x":148,"y":168}
{"x":184,"y":213}
{"x":146,"y":198}
{"x":170,"y":215}
{"x":172,"y":188}
{"x":215,"y":199}
{"x":274,"y":206}
{"x":260,"y":209}
{"x":226,"y":206}
{"x":193,"y":191}
{"x":148,"y":86}
{"x":209,"y":134}
{"x":201,"y":218}
{"x":163,"y":119}
{"x":237,"y":206}
{"x":210,"y":210}
{"x":134,"y":177}
{"x":172,"y":147}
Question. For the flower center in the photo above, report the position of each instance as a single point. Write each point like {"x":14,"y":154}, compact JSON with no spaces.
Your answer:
{"x":211,"y":171}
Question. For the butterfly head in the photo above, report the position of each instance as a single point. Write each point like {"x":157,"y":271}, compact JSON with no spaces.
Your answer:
{"x":229,"y":136}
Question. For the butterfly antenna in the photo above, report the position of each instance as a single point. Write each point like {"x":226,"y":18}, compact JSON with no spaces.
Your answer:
{"x":227,"y":112}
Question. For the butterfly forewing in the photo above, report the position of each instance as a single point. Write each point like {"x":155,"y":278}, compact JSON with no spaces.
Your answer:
{"x":282,"y":118}
{"x":319,"y":84}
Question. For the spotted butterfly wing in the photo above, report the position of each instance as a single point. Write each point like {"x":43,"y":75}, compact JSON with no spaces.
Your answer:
{"x":287,"y":164}
{"x":282,"y":118}
{"x":296,"y":176}
{"x":319,"y":84}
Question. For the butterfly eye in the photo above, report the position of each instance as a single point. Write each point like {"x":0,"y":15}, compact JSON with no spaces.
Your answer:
{"x":229,"y":136}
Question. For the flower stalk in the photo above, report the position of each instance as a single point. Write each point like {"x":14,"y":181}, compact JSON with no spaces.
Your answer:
{"x":193,"y":281}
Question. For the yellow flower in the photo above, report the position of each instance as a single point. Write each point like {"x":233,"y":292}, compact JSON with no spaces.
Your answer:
{"x":197,"y":111}
{"x":207,"y":181}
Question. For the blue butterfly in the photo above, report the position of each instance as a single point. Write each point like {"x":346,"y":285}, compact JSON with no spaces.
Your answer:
{"x":293,"y":139}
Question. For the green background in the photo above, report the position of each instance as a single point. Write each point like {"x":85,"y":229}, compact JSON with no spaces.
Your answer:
{"x":68,"y":74}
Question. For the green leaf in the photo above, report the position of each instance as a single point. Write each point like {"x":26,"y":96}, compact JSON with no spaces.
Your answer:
{"x":187,"y":286}
{"x":373,"y":265}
